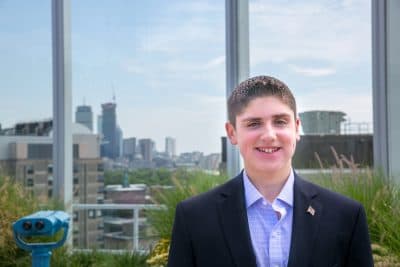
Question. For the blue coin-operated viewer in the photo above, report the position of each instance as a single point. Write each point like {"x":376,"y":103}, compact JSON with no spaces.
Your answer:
{"x":41,"y":223}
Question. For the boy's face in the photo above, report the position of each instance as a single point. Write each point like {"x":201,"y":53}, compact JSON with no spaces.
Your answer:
{"x":266,"y":133}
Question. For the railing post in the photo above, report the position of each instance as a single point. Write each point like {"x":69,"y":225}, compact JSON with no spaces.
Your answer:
{"x":136,"y":229}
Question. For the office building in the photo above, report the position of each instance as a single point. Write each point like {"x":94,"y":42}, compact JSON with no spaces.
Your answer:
{"x":28,"y":159}
{"x":170,"y":147}
{"x":146,"y":147}
{"x":84,"y":116}
{"x":313,"y":150}
{"x":321,"y":122}
{"x":118,"y":226}
{"x":109,"y":147}
{"x":100,"y":125}
{"x":120,"y":141}
{"x":129,"y":148}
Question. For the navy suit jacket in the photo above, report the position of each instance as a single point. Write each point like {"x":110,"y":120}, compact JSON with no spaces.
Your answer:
{"x":211,"y":229}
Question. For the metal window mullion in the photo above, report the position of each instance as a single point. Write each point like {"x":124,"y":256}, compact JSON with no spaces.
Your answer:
{"x":62,"y":121}
{"x":237,"y":62}
{"x":379,"y":78}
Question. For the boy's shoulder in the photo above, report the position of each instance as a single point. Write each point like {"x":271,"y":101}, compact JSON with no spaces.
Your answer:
{"x":303,"y":189}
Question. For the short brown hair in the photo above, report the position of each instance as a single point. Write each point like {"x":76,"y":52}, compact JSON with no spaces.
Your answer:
{"x":257,"y":87}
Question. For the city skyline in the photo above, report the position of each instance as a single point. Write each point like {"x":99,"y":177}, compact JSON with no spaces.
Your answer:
{"x":167,"y":72}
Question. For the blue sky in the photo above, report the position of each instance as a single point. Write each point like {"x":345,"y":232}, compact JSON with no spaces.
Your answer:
{"x":166,"y":62}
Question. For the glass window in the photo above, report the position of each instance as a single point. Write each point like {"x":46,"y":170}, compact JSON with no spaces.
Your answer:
{"x":76,"y":216}
{"x":25,"y":89}
{"x":168,"y":63}
{"x":30,"y":169}
{"x":92,"y":214}
{"x":30,"y":182}
{"x":148,"y":85}
{"x":76,"y":167}
{"x":50,"y":169}
{"x":322,"y":51}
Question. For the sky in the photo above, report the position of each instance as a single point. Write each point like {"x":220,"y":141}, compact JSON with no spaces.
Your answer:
{"x":164,"y":61}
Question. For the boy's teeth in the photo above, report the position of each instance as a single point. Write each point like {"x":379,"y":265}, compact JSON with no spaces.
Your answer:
{"x":268,"y":150}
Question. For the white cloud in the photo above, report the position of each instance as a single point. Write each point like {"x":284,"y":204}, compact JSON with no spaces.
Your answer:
{"x":358,"y":107}
{"x":215,"y":62}
{"x":309,"y":30}
{"x":314,"y":72}
{"x":197,"y":123}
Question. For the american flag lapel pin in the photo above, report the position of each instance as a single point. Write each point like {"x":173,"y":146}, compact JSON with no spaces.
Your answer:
{"x":311,"y":210}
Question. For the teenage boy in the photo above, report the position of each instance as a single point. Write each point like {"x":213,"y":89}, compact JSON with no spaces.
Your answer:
{"x":268,"y":215}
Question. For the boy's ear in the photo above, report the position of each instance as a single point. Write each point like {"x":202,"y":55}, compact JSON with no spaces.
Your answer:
{"x":231,"y":133}
{"x":298,"y":125}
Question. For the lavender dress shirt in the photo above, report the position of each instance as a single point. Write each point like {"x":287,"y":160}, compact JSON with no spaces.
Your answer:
{"x":270,"y":224}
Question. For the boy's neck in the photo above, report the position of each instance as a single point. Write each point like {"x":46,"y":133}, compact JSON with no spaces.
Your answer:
{"x":269,"y":185}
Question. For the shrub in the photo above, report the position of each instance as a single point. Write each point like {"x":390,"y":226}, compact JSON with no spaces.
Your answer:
{"x":62,"y":258}
{"x":380,"y":197}
{"x":186,"y":184}
{"x":15,"y":202}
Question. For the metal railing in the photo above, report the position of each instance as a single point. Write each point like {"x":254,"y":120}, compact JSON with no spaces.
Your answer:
{"x":135,"y":220}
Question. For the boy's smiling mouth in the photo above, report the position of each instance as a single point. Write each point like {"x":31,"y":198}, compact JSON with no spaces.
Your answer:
{"x":268,"y":150}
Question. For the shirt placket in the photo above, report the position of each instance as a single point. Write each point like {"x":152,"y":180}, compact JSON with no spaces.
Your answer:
{"x":275,"y":240}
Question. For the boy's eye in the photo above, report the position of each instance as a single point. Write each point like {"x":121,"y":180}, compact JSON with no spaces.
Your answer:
{"x":281,"y":122}
{"x":253,"y":124}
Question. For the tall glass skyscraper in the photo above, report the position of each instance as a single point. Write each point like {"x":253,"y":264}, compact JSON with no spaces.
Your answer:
{"x":110,"y":145}
{"x":84,"y":115}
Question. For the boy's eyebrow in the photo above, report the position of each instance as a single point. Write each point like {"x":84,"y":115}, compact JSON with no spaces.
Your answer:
{"x":250,"y":119}
{"x":279,"y":115}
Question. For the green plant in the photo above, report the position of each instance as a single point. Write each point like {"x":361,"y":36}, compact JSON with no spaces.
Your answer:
{"x":159,"y":254}
{"x":15,"y":202}
{"x":186,"y":184}
{"x":380,"y":197}
{"x":62,"y":258}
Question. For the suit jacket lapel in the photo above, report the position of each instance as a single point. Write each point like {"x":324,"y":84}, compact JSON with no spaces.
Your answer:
{"x":233,"y":218}
{"x":306,"y":216}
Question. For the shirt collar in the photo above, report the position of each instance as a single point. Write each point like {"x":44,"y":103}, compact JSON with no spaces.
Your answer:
{"x":252,"y":194}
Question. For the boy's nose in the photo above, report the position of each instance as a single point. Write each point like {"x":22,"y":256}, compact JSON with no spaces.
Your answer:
{"x":268,"y":133}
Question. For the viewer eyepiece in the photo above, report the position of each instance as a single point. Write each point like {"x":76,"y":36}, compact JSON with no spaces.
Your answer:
{"x":27,"y":225}
{"x":39,"y":225}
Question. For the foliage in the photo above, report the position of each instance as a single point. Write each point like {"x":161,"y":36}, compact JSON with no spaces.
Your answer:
{"x":159,"y":254}
{"x":96,"y":259}
{"x":141,"y":176}
{"x":383,"y":258}
{"x":380,"y":197}
{"x":15,"y":202}
{"x":186,"y":184}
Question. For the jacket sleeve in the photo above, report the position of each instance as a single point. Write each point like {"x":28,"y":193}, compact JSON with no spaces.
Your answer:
{"x":360,"y":253}
{"x":180,"y":251}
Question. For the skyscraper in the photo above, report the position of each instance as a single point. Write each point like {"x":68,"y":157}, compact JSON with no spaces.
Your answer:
{"x":120,"y":141}
{"x":84,"y":115}
{"x":319,"y":122}
{"x":110,"y":146}
{"x":129,"y":148}
{"x":100,"y":125}
{"x":146,"y":149}
{"x":170,"y":147}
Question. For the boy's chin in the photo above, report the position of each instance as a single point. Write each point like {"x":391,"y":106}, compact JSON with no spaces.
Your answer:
{"x":268,"y":169}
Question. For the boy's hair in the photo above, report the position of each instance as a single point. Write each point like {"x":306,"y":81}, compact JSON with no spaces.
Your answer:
{"x":255,"y":87}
